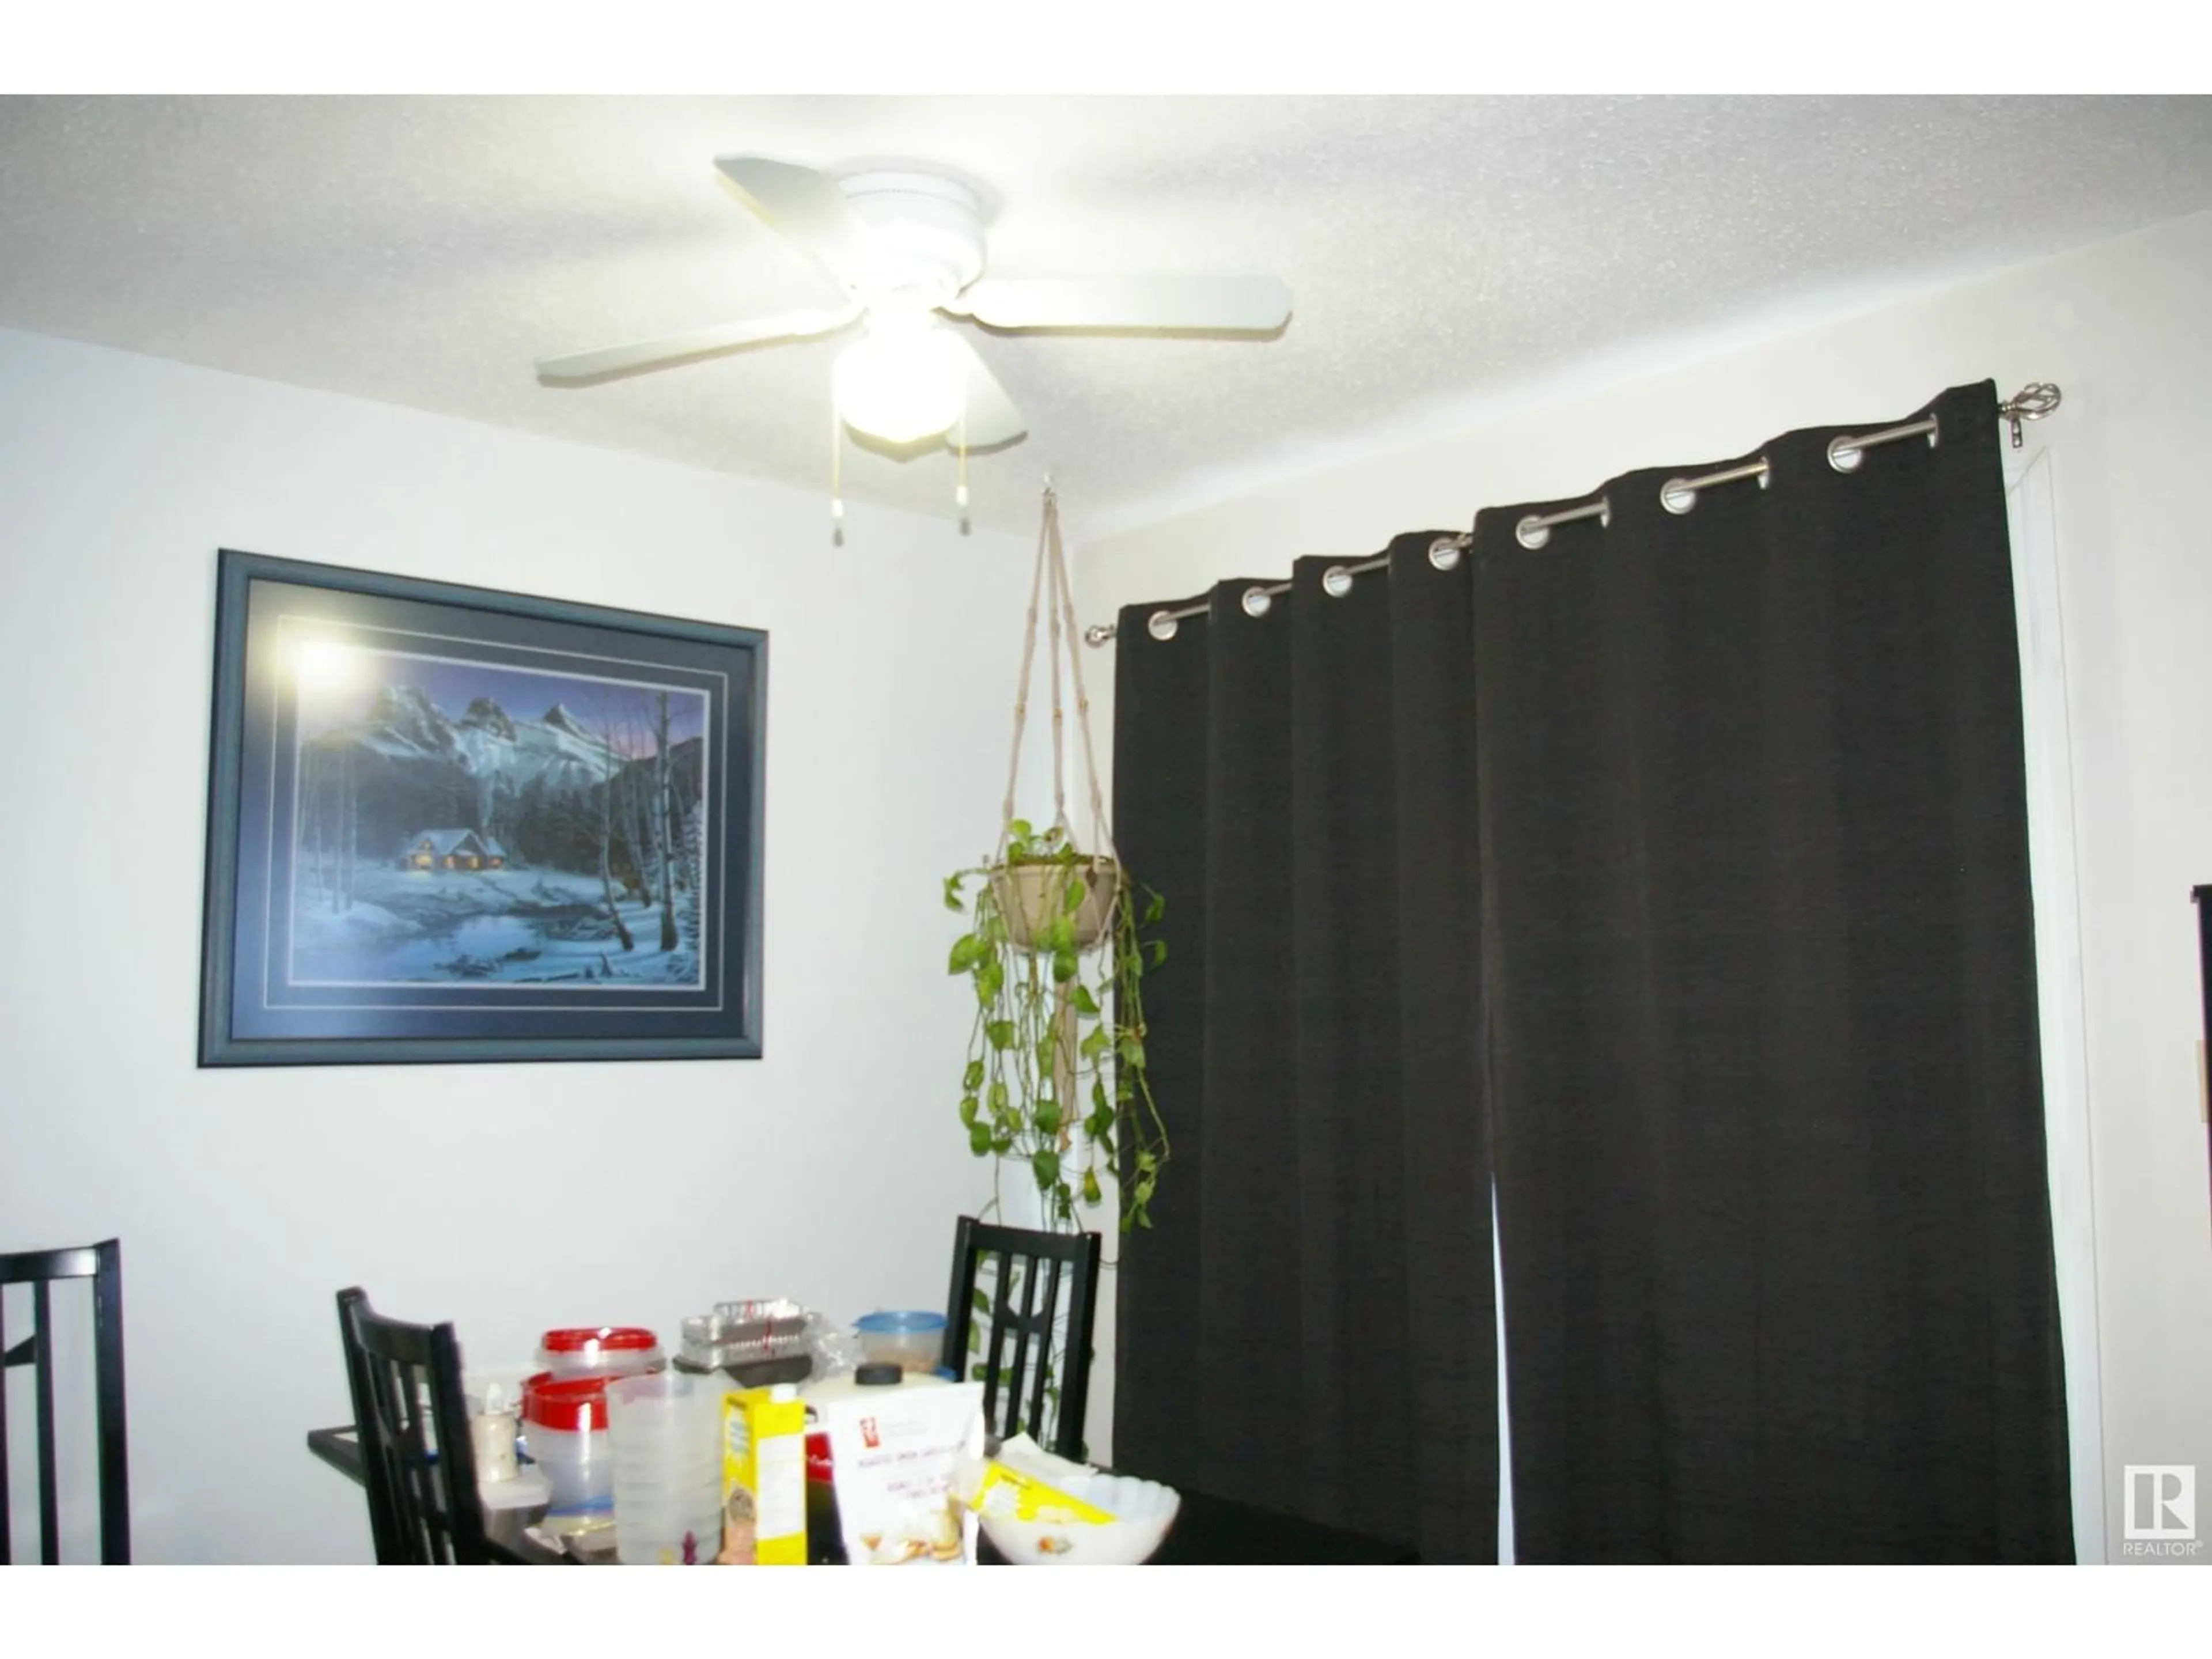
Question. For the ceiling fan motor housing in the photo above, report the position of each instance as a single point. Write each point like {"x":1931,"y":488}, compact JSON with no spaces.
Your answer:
{"x":930,"y":229}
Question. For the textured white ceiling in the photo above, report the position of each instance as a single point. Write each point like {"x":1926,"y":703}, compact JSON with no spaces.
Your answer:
{"x":1439,"y":251}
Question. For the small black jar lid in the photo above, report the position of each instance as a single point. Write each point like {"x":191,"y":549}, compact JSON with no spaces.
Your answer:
{"x":878,"y":1373}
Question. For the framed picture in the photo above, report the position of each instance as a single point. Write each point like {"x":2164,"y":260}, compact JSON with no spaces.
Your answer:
{"x":448,"y":824}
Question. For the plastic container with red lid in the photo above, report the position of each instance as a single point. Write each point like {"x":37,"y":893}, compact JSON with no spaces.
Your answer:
{"x":564,"y":1424}
{"x":600,"y":1351}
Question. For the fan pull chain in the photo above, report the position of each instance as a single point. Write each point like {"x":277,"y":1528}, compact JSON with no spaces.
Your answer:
{"x":836,"y":478}
{"x":960,"y":488}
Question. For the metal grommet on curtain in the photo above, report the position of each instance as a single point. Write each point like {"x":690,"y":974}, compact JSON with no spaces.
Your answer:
{"x":1161,"y":625}
{"x":1444,"y":551}
{"x":1535,"y":530}
{"x":1256,"y":601}
{"x":1847,"y":451}
{"x":1336,"y":581}
{"x":1680,"y":495}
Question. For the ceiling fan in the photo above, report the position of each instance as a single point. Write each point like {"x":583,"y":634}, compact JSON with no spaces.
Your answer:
{"x":908,"y":249}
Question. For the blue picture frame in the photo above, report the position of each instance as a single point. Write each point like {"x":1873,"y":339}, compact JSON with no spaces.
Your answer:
{"x":449,"y":824}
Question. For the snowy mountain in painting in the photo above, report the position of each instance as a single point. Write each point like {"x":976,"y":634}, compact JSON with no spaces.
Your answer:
{"x":486,"y":742}
{"x":550,"y":789}
{"x":485,"y":714}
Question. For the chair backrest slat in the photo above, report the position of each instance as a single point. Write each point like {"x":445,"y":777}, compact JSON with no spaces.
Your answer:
{"x":101,"y":1263}
{"x":7,"y":1551}
{"x":107,"y":1340}
{"x":50,"y":1481}
{"x":1046,"y":1274}
{"x":1019,"y":1300}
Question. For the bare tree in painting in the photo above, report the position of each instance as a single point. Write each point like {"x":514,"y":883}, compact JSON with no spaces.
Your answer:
{"x":645,"y":846}
{"x":606,"y":839}
{"x":642,"y":838}
{"x":662,"y":801}
{"x":674,"y":797}
{"x":694,"y":821}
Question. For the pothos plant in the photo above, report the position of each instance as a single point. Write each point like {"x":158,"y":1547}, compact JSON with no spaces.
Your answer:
{"x":1056,"y":1078}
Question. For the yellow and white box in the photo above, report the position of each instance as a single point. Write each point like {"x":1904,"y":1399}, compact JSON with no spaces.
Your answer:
{"x":764,"y":1478}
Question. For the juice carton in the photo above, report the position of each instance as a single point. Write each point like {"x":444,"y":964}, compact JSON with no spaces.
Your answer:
{"x":764,"y":1478}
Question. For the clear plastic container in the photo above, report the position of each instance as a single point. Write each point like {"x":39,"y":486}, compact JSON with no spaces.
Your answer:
{"x":564,"y":1426}
{"x":666,"y":1430}
{"x":599,"y":1351}
{"x":913,"y":1340}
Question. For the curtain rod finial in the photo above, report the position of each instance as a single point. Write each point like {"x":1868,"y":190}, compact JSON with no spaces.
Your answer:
{"x":2030,"y":403}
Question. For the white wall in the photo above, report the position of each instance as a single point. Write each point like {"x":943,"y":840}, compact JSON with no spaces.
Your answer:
{"x":2123,"y":328}
{"x":506,"y":1198}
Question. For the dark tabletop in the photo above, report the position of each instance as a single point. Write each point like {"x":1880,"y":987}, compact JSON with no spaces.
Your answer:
{"x":506,"y":1536}
{"x":1208,"y":1531}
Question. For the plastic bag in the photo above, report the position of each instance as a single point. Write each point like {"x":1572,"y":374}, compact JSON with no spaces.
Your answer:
{"x":896,"y":1454}
{"x":835,"y":1349}
{"x":1027,"y":1483}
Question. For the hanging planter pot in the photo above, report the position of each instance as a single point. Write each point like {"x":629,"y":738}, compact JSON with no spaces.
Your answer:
{"x":1033,"y":896}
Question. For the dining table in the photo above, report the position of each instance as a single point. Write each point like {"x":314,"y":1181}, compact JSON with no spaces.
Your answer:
{"x":1208,"y":1530}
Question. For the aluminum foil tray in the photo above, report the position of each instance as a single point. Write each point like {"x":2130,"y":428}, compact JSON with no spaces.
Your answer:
{"x":739,"y":1333}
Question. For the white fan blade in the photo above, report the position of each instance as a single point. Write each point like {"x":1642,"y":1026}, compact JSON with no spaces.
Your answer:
{"x":1211,"y":305}
{"x":991,"y":418}
{"x":699,"y":343}
{"x":810,"y":212}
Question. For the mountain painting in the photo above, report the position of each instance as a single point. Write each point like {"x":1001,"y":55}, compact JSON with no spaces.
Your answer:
{"x":464,"y":823}
{"x":450,"y":824}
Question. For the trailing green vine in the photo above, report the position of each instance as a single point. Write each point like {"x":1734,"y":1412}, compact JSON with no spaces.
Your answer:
{"x":1056,"y":1078}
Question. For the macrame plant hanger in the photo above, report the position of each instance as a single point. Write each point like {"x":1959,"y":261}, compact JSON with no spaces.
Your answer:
{"x":1049,"y":582}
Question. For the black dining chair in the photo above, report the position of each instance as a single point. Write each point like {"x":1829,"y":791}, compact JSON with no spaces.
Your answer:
{"x":418,"y":1461}
{"x":103,"y":1264}
{"x":1012,"y":1288}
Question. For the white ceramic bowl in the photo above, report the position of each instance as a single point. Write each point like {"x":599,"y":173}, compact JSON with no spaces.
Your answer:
{"x":1143,"y":1511}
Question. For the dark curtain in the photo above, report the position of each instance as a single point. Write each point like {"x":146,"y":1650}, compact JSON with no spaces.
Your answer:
{"x":1680,"y":866}
{"x":1309,"y":1325}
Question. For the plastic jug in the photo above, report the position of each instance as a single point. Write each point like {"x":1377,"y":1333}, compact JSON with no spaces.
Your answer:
{"x":665,"y":1430}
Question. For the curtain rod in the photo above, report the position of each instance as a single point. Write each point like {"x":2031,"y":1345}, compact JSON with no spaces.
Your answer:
{"x":2030,"y":402}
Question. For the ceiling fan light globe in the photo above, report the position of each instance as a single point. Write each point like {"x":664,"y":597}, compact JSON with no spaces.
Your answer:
{"x":901,"y":386}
